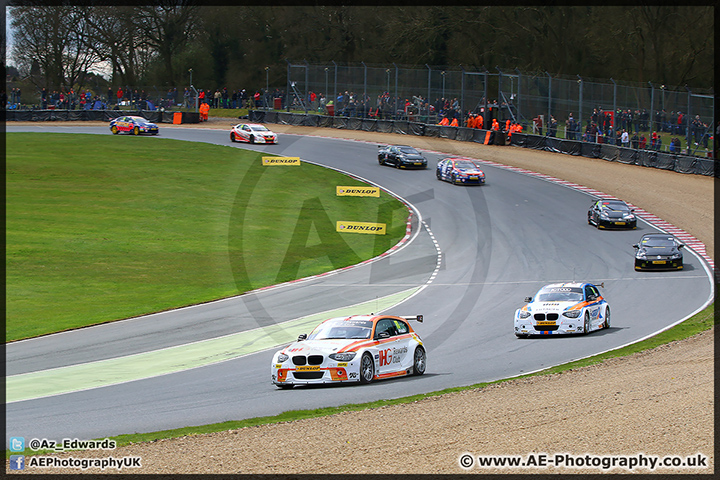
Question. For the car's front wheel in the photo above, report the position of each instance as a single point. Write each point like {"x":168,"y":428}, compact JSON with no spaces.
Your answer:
{"x":114,"y":130}
{"x":232,"y":137}
{"x":136,"y":131}
{"x":586,"y":324}
{"x":252,"y":138}
{"x":606,"y":323}
{"x":419,"y":361}
{"x":367,"y":368}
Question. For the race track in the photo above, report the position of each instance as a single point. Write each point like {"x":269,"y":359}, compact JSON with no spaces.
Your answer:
{"x":475,"y":253}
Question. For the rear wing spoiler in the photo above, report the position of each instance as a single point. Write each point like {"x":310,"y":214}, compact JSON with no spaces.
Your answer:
{"x":418,"y":318}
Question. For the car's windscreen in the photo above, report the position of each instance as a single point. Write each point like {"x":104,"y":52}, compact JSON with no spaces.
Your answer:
{"x":341,"y":329}
{"x":259,"y":129}
{"x":618,"y":207}
{"x":465,"y":165}
{"x":560,"y":294}
{"x":409,"y":150}
{"x":654,"y":242}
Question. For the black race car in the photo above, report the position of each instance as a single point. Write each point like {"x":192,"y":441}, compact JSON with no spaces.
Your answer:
{"x":611,"y":214}
{"x":401,"y":156}
{"x":658,"y":251}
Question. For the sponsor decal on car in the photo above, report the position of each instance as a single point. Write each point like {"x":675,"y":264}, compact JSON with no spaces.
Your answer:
{"x":357,"y":191}
{"x":361,"y":227}
{"x":269,"y":161}
{"x":308,"y":369}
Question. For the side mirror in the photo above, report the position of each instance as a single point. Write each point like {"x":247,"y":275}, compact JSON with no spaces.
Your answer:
{"x":636,"y":246}
{"x":383,"y":335}
{"x":302,"y":336}
{"x":681,"y":246}
{"x":528,"y":299}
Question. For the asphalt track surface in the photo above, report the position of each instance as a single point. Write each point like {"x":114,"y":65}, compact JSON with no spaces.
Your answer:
{"x":474,"y":254}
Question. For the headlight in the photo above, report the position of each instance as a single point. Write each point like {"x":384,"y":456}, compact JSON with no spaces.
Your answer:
{"x":281,"y":357}
{"x":629,"y":217}
{"x":641,"y":254}
{"x":676,"y":255}
{"x":572,"y":313}
{"x":523,"y":314}
{"x":342,"y":357}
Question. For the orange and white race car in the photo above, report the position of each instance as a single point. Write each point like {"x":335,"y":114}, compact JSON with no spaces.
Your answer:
{"x":358,"y":348}
{"x":561,"y":309}
{"x":252,"y":133}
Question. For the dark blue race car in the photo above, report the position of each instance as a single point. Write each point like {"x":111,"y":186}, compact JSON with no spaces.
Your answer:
{"x":134,"y":125}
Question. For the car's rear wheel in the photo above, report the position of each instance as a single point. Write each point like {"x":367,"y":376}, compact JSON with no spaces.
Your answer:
{"x":252,"y":138}
{"x":232,"y":137}
{"x":114,"y":130}
{"x":136,"y":131}
{"x":367,"y":368}
{"x":437,"y":174}
{"x":381,"y":160}
{"x":606,"y":323}
{"x":586,"y":324}
{"x":419,"y":361}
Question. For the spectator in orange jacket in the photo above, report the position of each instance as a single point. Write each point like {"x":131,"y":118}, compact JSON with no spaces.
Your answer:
{"x":495,"y":125}
{"x":204,"y":110}
{"x":454,"y":122}
{"x":479,"y":121}
{"x":470,"y":121}
{"x":444,"y":121}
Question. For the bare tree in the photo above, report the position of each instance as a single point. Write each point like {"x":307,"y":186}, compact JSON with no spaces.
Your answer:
{"x":53,"y":38}
{"x":168,"y":27}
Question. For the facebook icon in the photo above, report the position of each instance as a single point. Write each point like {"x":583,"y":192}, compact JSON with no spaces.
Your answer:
{"x":17,"y":462}
{"x":17,"y":444}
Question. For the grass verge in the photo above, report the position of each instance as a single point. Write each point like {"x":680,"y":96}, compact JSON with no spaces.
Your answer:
{"x":101,"y":228}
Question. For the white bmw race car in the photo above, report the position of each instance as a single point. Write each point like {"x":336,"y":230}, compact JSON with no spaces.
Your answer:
{"x":359,"y":348}
{"x":563,"y":308}
{"x":252,"y":133}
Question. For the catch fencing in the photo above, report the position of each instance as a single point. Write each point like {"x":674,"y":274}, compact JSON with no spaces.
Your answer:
{"x":632,"y":156}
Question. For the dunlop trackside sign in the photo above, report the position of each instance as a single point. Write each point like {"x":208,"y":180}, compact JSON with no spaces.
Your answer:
{"x":361,"y":227}
{"x":358,"y":191}
{"x":269,"y":161}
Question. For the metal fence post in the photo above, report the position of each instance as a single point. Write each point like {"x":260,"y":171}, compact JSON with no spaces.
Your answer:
{"x":688,"y":135}
{"x":396,"y":92}
{"x":614,"y":103}
{"x":428,"y":94}
{"x":580,"y":100}
{"x":485,"y":101}
{"x":652,"y":104}
{"x":547,"y":122}
{"x":517,"y":107}
{"x":462,"y":91}
{"x":364,"y":100}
